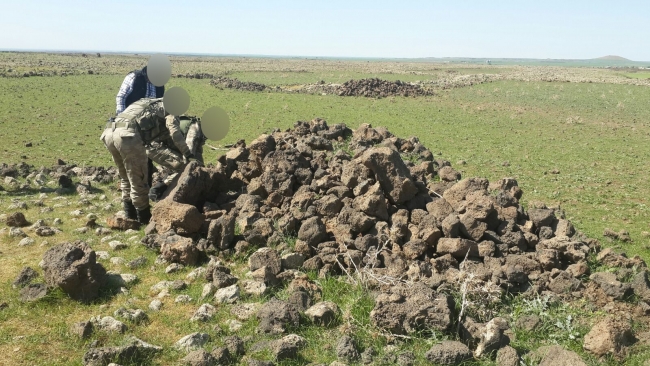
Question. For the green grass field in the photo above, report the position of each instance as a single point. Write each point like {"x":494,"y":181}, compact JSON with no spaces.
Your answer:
{"x":582,"y":146}
{"x":595,"y":135}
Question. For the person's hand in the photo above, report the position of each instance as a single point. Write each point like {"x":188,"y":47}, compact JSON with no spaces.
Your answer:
{"x":191,"y":158}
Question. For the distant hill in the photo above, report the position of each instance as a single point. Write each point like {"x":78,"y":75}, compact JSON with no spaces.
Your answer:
{"x":613,"y":58}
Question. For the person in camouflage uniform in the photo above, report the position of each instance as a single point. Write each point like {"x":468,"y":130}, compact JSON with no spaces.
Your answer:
{"x":164,"y":152}
{"x":140,"y":124}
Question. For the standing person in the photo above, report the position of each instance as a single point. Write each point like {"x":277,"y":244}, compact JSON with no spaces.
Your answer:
{"x":136,"y":85}
{"x":137,"y":126}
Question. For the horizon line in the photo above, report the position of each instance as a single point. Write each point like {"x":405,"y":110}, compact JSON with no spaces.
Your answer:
{"x":307,"y":57}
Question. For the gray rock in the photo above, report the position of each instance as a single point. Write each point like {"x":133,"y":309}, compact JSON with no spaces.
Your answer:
{"x":117,"y":245}
{"x":108,"y":324}
{"x":192,"y":341}
{"x":287,"y":347}
{"x":255,"y":288}
{"x":33,"y":292}
{"x":199,"y":358}
{"x":227,"y":295}
{"x":136,"y":351}
{"x":265,"y":257}
{"x":137,"y":263}
{"x":82,"y":329}
{"x":183,"y":299}
{"x":346,"y":350}
{"x":323,"y":313}
{"x":155,"y":305}
{"x":204,"y":313}
{"x":292,"y":260}
{"x":25,"y":242}
{"x":133,"y":315}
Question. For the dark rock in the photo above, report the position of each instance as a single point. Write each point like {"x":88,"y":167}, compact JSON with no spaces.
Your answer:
{"x":275,"y":316}
{"x":199,"y":357}
{"x":346,"y":350}
{"x":406,"y":310}
{"x":391,"y":172}
{"x":73,"y":268}
{"x":16,"y":219}
{"x":449,"y":353}
{"x":610,"y":285}
{"x":25,"y":277}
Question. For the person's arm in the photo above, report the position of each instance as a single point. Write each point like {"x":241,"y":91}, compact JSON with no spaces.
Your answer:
{"x":173,"y":125}
{"x":125,"y":90}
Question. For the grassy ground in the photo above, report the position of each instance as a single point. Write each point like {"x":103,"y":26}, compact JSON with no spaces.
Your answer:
{"x":581,"y":146}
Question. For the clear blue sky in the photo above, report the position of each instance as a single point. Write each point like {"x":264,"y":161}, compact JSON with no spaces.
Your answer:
{"x":570,"y":29}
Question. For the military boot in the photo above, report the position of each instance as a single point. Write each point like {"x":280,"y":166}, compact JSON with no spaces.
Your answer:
{"x":157,"y":191}
{"x":144,"y":215}
{"x":129,"y":210}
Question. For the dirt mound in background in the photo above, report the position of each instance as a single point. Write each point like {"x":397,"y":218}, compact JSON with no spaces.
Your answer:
{"x":371,"y":88}
{"x":232,"y":83}
{"x":378,"y":88}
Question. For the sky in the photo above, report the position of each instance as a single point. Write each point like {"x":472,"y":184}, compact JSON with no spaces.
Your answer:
{"x":567,"y":29}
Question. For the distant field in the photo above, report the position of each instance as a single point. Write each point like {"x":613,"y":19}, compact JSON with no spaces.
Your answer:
{"x":572,"y":137}
{"x":594,"y":134}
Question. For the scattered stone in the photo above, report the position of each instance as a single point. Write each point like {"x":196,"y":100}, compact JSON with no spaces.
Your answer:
{"x":132,"y":315}
{"x":117,"y":245}
{"x":33,"y":292}
{"x":275,"y":316}
{"x":174,"y":267}
{"x":508,"y":356}
{"x":82,"y":330}
{"x":73,"y":268}
{"x":141,"y":261}
{"x":609,"y":336}
{"x":323,"y":313}
{"x":108,"y":324}
{"x":135,"y":350}
{"x":155,"y":305}
{"x":287,"y":347}
{"x":192,"y":341}
{"x":558,"y":356}
{"x":183,"y":299}
{"x":16,"y":219}
{"x":24,"y":278}
{"x":449,"y":353}
{"x":199,"y":358}
{"x":25,"y":242}
{"x":204,"y":313}
{"x":227,"y":295}
{"x":346,"y":350}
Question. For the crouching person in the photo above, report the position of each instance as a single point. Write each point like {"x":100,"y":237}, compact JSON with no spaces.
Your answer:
{"x":140,"y":124}
{"x":167,"y":150}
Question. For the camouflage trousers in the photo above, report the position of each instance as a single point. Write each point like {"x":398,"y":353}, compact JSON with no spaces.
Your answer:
{"x":130,"y":156}
{"x":171,"y":159}
{"x":167,"y":155}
